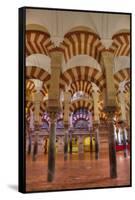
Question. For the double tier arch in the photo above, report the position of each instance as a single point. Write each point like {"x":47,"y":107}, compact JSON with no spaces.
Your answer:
{"x":82,"y":73}
{"x":121,"y":75}
{"x":81,"y":85}
{"x":38,"y":42}
{"x":121,"y":44}
{"x":82,"y":42}
{"x":34,"y":72}
{"x":81,"y":103}
{"x":30,"y":86}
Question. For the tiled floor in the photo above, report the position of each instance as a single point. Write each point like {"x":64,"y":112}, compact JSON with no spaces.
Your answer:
{"x":79,"y":171}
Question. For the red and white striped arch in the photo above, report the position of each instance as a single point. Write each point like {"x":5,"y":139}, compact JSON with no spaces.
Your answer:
{"x":82,"y":73}
{"x":121,"y":44}
{"x":128,"y":107}
{"x":30,"y":86}
{"x":119,"y":113}
{"x":100,"y":106}
{"x":121,"y":75}
{"x":33,"y":72}
{"x":81,"y":104}
{"x":43,"y":107}
{"x":38,"y":42}
{"x":81,"y":42}
{"x":103,"y":115}
{"x":29,"y":107}
{"x":82,"y":85}
{"x":45,"y":88}
{"x":127,"y":87}
{"x":46,"y":118}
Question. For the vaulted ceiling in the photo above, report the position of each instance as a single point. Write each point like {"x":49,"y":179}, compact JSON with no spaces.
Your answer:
{"x":82,"y":37}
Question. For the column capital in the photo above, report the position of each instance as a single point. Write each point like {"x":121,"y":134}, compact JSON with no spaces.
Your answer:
{"x":96,"y":123}
{"x":122,"y":123}
{"x":52,"y":115}
{"x":66,"y":124}
{"x":110,"y":110}
{"x":107,"y":54}
{"x":36,"y":125}
{"x":121,"y":93}
{"x":53,"y":105}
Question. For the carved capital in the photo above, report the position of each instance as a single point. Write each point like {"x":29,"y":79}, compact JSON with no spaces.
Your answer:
{"x":36,"y":125}
{"x":96,"y":124}
{"x":66,"y":125}
{"x":107,"y":55}
{"x":110,"y":109}
{"x":53,"y":116}
{"x":122,"y":124}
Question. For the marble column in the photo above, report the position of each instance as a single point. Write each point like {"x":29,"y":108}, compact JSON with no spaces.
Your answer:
{"x":112,"y":143}
{"x":35,"y":146}
{"x":52,"y":146}
{"x":95,"y":94}
{"x":66,"y":142}
{"x":37,"y":99}
{"x":91,"y":145}
{"x":110,"y":107}
{"x":128,"y":133}
{"x":29,"y":141}
{"x":96,"y":130}
{"x":30,"y":130}
{"x":53,"y":108}
{"x":117,"y":137}
{"x":70,"y":141}
{"x":70,"y":133}
{"x":67,"y":99}
{"x":90,"y":130}
{"x":121,"y":96}
{"x":123,"y":129}
{"x":80,"y":150}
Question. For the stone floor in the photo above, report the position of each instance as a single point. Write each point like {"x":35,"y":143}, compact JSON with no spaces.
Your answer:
{"x":79,"y":171}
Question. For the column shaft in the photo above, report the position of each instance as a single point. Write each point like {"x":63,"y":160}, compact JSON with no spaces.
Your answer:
{"x":124,"y":140}
{"x":51,"y":151}
{"x":110,"y":107}
{"x":70,"y":144}
{"x":96,"y":130}
{"x":112,"y":148}
{"x":66,"y":144}
{"x":29,"y":145}
{"x":91,"y":147}
{"x":97,"y":142}
{"x":35,"y":147}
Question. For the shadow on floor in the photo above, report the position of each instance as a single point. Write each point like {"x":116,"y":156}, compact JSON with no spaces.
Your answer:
{"x":13,"y":187}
